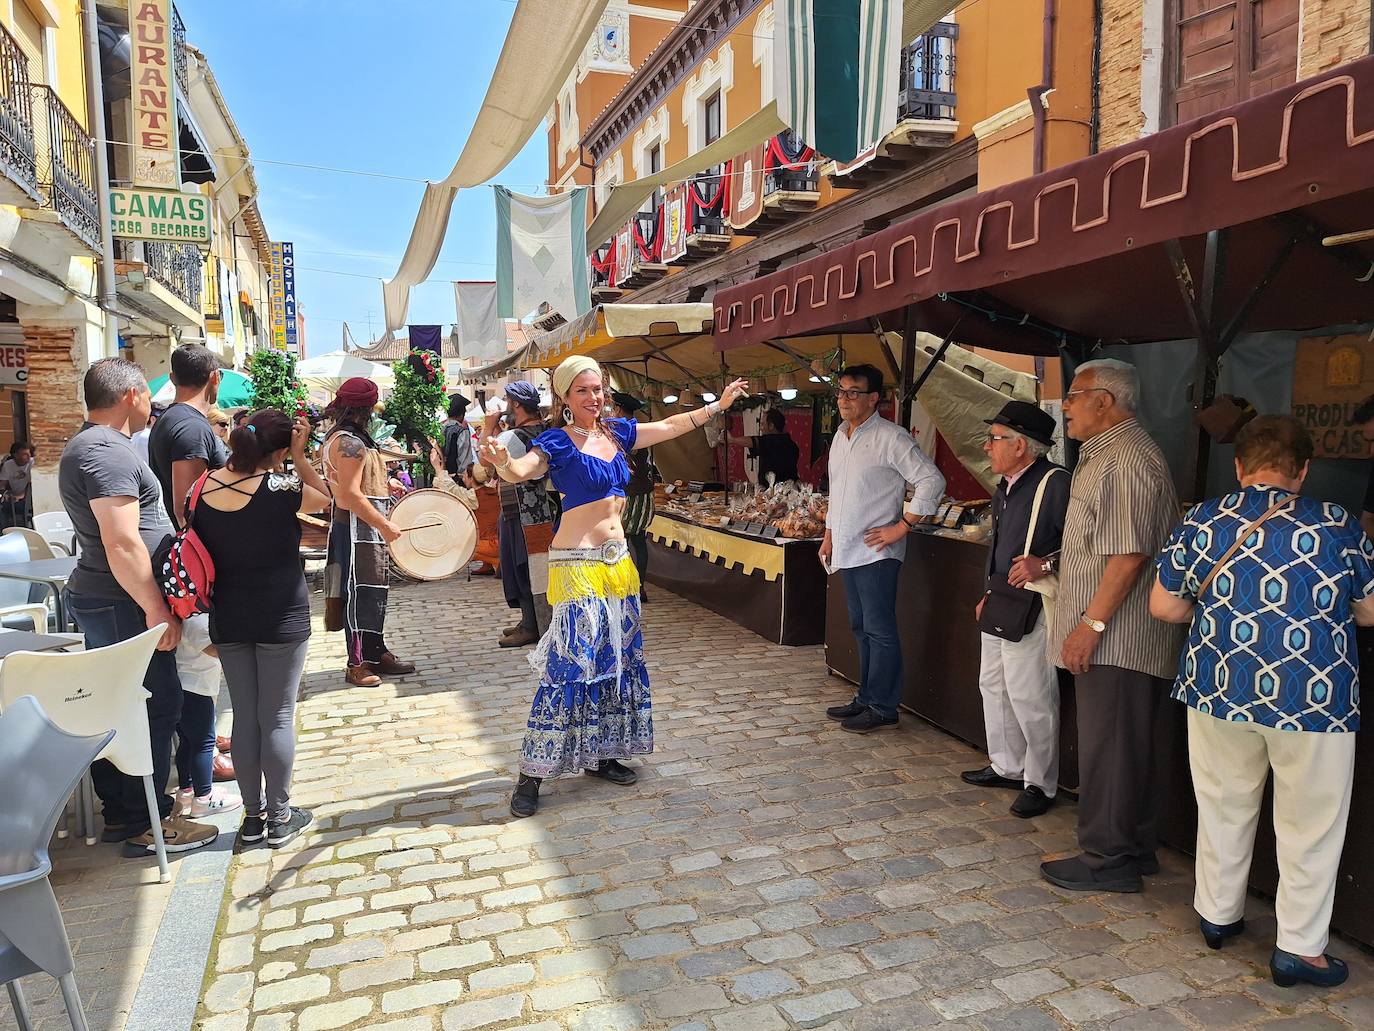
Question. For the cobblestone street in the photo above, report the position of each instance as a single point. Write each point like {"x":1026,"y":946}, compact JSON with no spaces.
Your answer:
{"x":769,"y":871}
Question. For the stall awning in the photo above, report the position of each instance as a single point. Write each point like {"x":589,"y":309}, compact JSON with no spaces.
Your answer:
{"x":1084,"y":249}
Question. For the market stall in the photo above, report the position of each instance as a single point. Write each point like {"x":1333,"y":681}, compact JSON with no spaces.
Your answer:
{"x":1209,"y":255}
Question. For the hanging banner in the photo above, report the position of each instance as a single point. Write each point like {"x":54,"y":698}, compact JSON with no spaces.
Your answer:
{"x":676,"y":218}
{"x":1332,"y":376}
{"x":153,"y":93}
{"x":481,"y":336}
{"x":746,"y":199}
{"x":277,"y":299}
{"x":288,"y":289}
{"x":624,"y":253}
{"x":541,"y":253}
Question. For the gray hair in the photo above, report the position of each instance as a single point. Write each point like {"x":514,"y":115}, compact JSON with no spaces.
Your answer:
{"x":1118,"y":378}
{"x":108,"y":380}
{"x":1034,"y":448}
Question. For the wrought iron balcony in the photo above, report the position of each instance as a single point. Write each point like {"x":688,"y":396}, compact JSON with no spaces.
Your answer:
{"x":66,"y":167}
{"x":927,"y":75}
{"x":789,"y":165}
{"x":18,"y":151}
{"x":179,"y":52}
{"x":177,"y":266}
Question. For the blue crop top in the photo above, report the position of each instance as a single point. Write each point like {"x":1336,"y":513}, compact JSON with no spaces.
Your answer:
{"x":582,"y":478}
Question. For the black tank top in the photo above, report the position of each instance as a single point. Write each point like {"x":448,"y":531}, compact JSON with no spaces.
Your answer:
{"x":260,"y":595}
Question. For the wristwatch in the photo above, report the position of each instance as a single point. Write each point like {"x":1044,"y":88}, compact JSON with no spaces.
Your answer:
{"x":1047,"y":567}
{"x":1094,"y":624}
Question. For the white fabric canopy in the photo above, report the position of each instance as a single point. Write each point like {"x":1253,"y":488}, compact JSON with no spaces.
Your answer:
{"x":542,"y":46}
{"x":327,"y":372}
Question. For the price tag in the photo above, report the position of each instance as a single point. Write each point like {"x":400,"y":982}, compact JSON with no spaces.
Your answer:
{"x":755,"y":528}
{"x":694,"y":498}
{"x":771,"y":532}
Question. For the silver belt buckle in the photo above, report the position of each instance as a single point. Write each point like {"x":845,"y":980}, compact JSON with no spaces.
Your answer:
{"x":612,"y":551}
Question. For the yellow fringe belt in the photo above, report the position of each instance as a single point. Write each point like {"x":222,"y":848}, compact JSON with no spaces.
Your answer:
{"x":585,"y":580}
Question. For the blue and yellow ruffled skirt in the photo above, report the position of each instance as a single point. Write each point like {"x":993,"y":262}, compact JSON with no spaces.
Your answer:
{"x":593,"y":700}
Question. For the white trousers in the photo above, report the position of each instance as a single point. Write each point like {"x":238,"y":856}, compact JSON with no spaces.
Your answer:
{"x":1313,"y":774}
{"x":1021,"y":709}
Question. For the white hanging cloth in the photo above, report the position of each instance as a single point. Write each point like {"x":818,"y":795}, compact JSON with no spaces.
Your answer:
{"x":542,"y":46}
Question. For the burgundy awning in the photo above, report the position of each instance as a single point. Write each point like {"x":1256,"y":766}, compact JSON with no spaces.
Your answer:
{"x":1081,"y":248}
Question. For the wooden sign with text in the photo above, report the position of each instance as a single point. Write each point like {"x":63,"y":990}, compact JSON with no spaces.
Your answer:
{"x":1331,"y":378}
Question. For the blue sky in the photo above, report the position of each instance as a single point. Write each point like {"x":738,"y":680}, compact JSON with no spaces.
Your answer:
{"x":388,"y":87}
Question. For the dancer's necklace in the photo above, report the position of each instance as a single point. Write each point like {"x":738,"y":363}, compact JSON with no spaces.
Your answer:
{"x":595,"y":431}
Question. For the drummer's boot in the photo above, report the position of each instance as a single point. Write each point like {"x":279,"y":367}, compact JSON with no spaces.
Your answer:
{"x":525,"y":801}
{"x":362,"y":675}
{"x":522,"y":637}
{"x":390,"y":666}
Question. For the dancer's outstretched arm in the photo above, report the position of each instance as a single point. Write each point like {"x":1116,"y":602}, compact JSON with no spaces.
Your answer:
{"x":647,"y":434}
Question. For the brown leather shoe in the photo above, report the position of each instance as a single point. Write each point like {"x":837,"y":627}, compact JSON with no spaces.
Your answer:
{"x":224,"y":768}
{"x":519,"y":639}
{"x":390,"y":666}
{"x":223,"y":743}
{"x":511,"y":630}
{"x":362,"y":676}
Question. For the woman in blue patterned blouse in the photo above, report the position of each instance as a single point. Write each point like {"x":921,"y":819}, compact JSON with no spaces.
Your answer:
{"x":1270,"y":676}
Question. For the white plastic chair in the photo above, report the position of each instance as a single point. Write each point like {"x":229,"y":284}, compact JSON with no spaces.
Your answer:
{"x":92,"y":692}
{"x":39,"y":546}
{"x":17,"y":601}
{"x":57,"y":528}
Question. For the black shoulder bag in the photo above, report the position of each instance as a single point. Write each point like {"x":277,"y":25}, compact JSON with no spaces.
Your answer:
{"x":1009,"y":612}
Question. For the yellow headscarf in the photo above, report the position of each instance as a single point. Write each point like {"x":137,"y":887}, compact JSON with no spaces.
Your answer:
{"x":568,"y":370}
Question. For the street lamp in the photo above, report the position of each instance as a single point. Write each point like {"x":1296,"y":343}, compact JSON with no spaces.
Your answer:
{"x":787,"y":387}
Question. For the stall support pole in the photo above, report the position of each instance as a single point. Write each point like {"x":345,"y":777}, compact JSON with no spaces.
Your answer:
{"x":908,"y":370}
{"x":1199,"y":302}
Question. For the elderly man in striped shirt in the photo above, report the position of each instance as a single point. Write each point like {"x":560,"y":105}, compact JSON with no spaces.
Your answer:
{"x":1122,"y":507}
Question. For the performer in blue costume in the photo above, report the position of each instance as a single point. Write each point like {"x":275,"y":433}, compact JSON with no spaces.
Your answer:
{"x":592,"y":708}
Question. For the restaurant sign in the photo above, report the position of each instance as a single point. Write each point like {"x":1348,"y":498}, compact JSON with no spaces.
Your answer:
{"x":1332,"y":376}
{"x":153,"y":93}
{"x":166,"y":215}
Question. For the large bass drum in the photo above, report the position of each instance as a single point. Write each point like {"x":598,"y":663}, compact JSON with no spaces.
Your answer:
{"x":439,"y":535}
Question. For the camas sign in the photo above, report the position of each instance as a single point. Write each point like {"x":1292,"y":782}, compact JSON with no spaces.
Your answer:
{"x":165,"y":215}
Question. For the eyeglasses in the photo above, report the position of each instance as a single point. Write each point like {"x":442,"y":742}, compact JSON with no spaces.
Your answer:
{"x":851,"y":395}
{"x":993,"y":437}
{"x":1088,"y":390}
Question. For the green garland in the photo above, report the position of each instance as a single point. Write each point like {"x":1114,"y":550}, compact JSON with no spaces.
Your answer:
{"x":274,"y":381}
{"x":417,"y":399}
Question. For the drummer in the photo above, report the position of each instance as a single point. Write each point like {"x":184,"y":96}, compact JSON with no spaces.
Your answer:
{"x":528,"y":511}
{"x":356,"y":573}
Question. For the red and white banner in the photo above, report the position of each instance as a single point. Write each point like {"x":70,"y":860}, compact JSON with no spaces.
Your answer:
{"x":676,"y":218}
{"x":746,"y":198}
{"x":624,"y":253}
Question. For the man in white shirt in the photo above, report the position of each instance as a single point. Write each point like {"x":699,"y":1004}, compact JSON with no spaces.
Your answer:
{"x":872,"y":461}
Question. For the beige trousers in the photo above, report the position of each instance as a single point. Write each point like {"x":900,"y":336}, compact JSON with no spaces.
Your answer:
{"x":1313,"y":774}
{"x":1021,"y":709}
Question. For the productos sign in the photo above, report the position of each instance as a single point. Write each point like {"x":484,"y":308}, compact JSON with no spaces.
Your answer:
{"x":160,"y":215}
{"x":153,"y":95}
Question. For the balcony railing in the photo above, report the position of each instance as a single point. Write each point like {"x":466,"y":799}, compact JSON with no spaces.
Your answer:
{"x":18,"y":156}
{"x":177,"y":266}
{"x":789,"y":165}
{"x":927,"y":75}
{"x":66,"y":166}
{"x":179,"y":52}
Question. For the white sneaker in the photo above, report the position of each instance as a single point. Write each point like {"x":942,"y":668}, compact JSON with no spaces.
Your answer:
{"x":214,"y":803}
{"x":185,"y":799}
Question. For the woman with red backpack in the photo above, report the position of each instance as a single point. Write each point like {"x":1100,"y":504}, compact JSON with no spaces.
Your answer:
{"x":245,"y":517}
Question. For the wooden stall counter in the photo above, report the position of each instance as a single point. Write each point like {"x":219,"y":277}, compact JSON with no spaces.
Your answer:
{"x":772,"y":586}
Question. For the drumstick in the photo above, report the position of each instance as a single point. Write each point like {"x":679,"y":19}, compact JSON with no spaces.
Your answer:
{"x":422,"y":526}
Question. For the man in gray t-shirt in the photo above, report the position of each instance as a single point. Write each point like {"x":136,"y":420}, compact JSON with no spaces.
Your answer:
{"x":115,"y":505}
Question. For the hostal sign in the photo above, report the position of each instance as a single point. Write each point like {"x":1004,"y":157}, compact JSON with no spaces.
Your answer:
{"x":165,"y":215}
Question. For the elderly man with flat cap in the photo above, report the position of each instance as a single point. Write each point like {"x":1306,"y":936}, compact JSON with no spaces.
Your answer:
{"x":1018,"y":682}
{"x":528,"y":511}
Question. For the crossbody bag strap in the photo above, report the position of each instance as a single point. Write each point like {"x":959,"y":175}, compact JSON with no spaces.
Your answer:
{"x":1035,"y":507}
{"x":193,"y":497}
{"x":1244,"y":536}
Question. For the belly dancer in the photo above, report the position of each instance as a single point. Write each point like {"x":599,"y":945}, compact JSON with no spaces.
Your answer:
{"x":592,"y":708}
